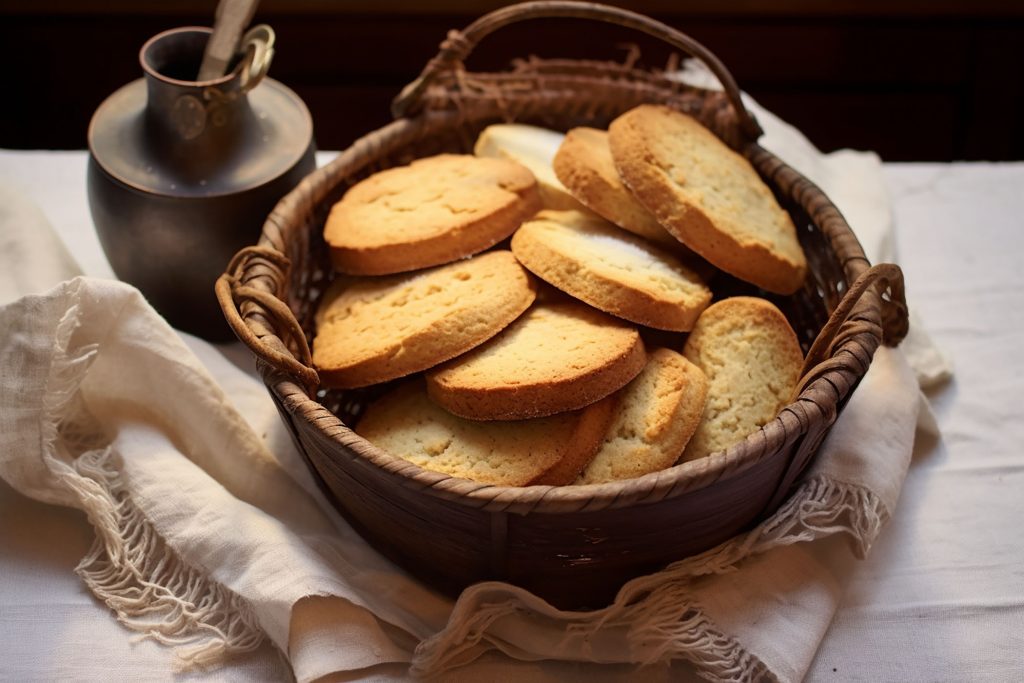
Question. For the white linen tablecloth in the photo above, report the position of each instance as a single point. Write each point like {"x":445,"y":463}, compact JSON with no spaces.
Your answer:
{"x":941,"y":597}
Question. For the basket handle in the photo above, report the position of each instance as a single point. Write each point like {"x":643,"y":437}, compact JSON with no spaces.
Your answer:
{"x":290,"y":352}
{"x":458,"y":45}
{"x":840,"y":326}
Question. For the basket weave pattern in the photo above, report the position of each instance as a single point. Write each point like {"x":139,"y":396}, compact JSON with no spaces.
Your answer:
{"x":572,"y":545}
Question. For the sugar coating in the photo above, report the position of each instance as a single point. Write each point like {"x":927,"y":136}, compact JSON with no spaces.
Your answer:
{"x":752,"y":360}
{"x":591,"y":259}
{"x":376,"y":329}
{"x":658,"y":413}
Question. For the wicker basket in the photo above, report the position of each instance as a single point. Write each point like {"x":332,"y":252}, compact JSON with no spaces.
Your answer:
{"x":573,"y":545}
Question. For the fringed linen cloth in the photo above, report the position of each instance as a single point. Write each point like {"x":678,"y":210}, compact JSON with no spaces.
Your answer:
{"x":211,"y":536}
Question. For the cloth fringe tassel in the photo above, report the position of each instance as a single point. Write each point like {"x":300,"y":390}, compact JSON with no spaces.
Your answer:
{"x":658,"y":613}
{"x":130,"y":567}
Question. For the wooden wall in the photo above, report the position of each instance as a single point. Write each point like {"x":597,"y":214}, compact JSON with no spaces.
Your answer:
{"x":914,"y":80}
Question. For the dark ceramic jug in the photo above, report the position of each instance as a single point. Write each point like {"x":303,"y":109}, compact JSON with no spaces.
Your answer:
{"x":182,"y":174}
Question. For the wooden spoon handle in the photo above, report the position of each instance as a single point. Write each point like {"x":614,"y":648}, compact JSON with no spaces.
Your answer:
{"x":231,"y":19}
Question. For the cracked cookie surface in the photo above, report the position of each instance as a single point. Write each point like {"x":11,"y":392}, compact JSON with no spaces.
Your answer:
{"x":433,"y":211}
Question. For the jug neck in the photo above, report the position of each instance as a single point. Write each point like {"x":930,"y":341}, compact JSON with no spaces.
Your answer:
{"x":184,"y":113}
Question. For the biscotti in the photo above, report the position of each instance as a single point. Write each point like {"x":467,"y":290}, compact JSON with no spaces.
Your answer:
{"x":548,"y":450}
{"x":534,"y":148}
{"x":434,"y":211}
{"x":752,"y":359}
{"x":372,"y":330}
{"x":657,"y":414}
{"x":554,"y":358}
{"x":584,"y":165}
{"x":708,"y":196}
{"x":592,"y":260}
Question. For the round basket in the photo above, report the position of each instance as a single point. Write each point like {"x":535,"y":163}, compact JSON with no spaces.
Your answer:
{"x":572,"y":545}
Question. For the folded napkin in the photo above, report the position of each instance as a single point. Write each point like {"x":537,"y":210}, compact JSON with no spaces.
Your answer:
{"x":211,"y":534}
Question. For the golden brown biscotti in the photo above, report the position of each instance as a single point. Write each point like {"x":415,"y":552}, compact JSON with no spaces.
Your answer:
{"x":534,"y":148}
{"x":752,"y":360}
{"x":547,"y":450}
{"x":554,"y":358}
{"x":378,"y":329}
{"x":584,"y":165}
{"x":589,"y":258}
{"x":708,"y":196}
{"x":658,"y":413}
{"x":434,"y":211}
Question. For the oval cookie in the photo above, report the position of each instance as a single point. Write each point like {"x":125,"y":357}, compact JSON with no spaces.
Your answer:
{"x":434,"y":211}
{"x":708,"y":196}
{"x":584,"y":165}
{"x":589,"y":258}
{"x":378,"y":329}
{"x":547,"y":450}
{"x":554,"y":358}
{"x":657,"y":414}
{"x":752,"y":360}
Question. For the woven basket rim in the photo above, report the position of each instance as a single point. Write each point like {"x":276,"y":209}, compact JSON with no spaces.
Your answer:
{"x":439,"y":99}
{"x":537,"y":536}
{"x":791,"y":423}
{"x":653,"y":487}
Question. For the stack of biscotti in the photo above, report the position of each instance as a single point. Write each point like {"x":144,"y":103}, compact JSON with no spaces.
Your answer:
{"x":586,"y":348}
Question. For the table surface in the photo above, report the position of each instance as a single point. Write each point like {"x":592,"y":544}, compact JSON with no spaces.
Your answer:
{"x":941,"y":597}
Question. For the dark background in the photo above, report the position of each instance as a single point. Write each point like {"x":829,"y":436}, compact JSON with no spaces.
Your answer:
{"x":911,"y":79}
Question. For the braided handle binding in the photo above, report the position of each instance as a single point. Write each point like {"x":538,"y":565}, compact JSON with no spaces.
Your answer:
{"x":458,"y":45}
{"x":841,"y":326}
{"x":282,"y":344}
